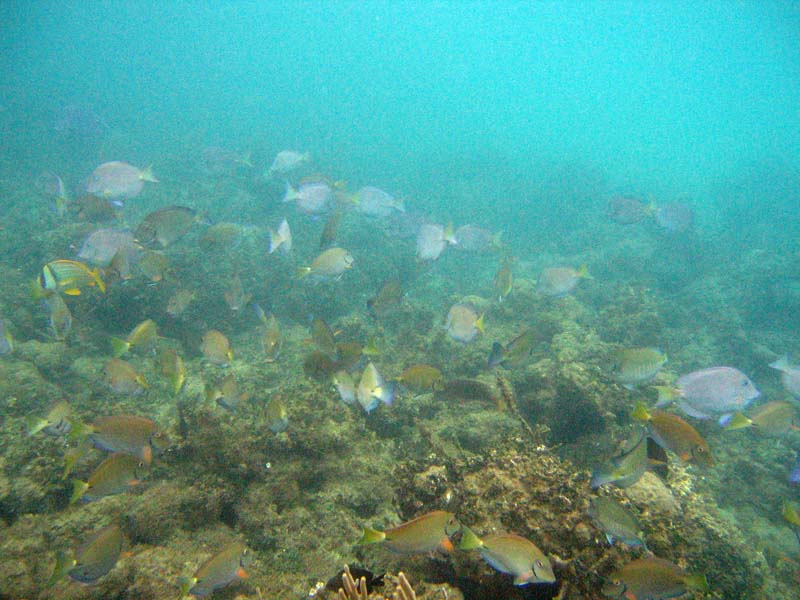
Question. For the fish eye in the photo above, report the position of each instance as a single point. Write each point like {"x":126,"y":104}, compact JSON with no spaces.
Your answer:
{"x":539,"y":564}
{"x":700,"y":449}
{"x":745,"y":383}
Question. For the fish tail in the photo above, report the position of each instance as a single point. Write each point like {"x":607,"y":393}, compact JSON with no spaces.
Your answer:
{"x":147,"y":175}
{"x":583,"y":272}
{"x":59,"y":570}
{"x":303,"y":271}
{"x":101,"y":285}
{"x":78,"y":490}
{"x":371,"y":536}
{"x":666,"y":395}
{"x":34,"y":424}
{"x":119,"y":347}
{"x":246,"y":159}
{"x":736,"y":421}
{"x":388,"y":392}
{"x":469,"y":540}
{"x":479,"y":324}
{"x":781,"y":364}
{"x":291,"y":193}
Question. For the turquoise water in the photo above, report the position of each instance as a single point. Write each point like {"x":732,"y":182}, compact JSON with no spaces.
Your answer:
{"x":526,"y":120}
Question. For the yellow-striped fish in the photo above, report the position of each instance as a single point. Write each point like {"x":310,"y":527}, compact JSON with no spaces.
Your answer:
{"x":68,"y":276}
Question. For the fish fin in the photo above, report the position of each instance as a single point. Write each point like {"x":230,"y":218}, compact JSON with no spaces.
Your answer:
{"x":640,"y":412}
{"x":692,"y":412}
{"x":303,"y":271}
{"x":735,"y":421}
{"x":119,"y":347}
{"x":583,"y":272}
{"x":469,"y":539}
{"x":275,"y":240}
{"x":79,"y":489}
{"x":666,"y":395}
{"x":371,"y":536}
{"x":241,"y":573}
{"x":187,"y":583}
{"x":72,"y":292}
{"x":146,"y":174}
{"x":449,"y":235}
{"x":34,"y":424}
{"x":291,"y":193}
{"x":524,"y":578}
{"x":610,"y":539}
{"x":62,"y":566}
{"x":629,"y":386}
{"x":246,"y":159}
{"x":447,"y":545}
{"x":781,"y":364}
{"x":147,"y":454}
{"x":479,"y":324}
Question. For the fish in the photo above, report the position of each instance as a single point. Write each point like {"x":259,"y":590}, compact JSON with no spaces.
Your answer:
{"x":709,"y":392}
{"x":503,"y":281}
{"x":331,"y":263}
{"x":463,"y":322}
{"x":515,"y":352}
{"x":345,"y":386}
{"x":471,"y":238}
{"x":130,"y":434}
{"x":179,"y":302}
{"x":794,"y":475}
{"x":119,"y":180}
{"x":6,"y":339}
{"x":323,"y":337}
{"x":115,"y":475}
{"x":271,"y":339}
{"x":276,"y":415}
{"x":628,"y":210}
{"x":348,"y":354}
{"x":616,"y":522}
{"x":319,"y":366}
{"x":790,"y":375}
{"x":560,"y":281}
{"x":675,"y":217}
{"x":512,"y":554}
{"x":790,"y":511}
{"x":286,"y":161}
{"x":93,"y":209}
{"x":636,"y":366}
{"x":432,"y":239}
{"x":773,"y":419}
{"x":373,"y":389}
{"x":60,"y":319}
{"x":122,"y":378}
{"x":219,"y":571}
{"x":221,"y":236}
{"x":638,"y":454}
{"x":235,"y":296}
{"x":312,"y":197}
{"x":100,"y":247}
{"x":468,"y":389}
{"x":154,"y":265}
{"x":93,"y":559}
{"x":374,"y":202}
{"x":673,"y":433}
{"x":56,"y":423}
{"x":166,"y":226}
{"x":388,"y":298}
{"x":328,"y":235}
{"x":226,"y":393}
{"x":216,"y":161}
{"x":653,"y":578}
{"x":421,"y":377}
{"x":122,"y":263}
{"x":173,"y":368}
{"x":143,"y":337}
{"x":281,"y":239}
{"x":426,"y":533}
{"x":216,"y":348}
{"x":68,"y":276}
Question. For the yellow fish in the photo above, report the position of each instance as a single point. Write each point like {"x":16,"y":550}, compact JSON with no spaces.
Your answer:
{"x":68,"y":276}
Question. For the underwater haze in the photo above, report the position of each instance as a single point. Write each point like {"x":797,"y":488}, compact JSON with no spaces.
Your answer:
{"x":486,"y":300}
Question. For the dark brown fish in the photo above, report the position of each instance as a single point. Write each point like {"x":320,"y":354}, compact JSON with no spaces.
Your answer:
{"x":93,"y":209}
{"x":328,"y":236}
{"x":389,"y":297}
{"x":165,"y":226}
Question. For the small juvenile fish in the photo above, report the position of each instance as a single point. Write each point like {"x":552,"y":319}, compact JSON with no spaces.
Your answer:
{"x":144,"y":336}
{"x":560,"y":281}
{"x":122,"y":378}
{"x":331,"y":263}
{"x":654,"y":579}
{"x":773,"y":419}
{"x":216,"y":348}
{"x":271,"y":339}
{"x":426,"y":533}
{"x":60,"y":317}
{"x":115,"y":475}
{"x":219,"y":571}
{"x":226,"y":393}
{"x":673,"y":433}
{"x":56,"y":423}
{"x":345,"y":386}
{"x":93,"y":559}
{"x":277,"y":415}
{"x":635,"y":366}
{"x":388,"y":298}
{"x":373,"y":389}
{"x":503,"y":281}
{"x":323,"y":337}
{"x":281,"y":239}
{"x":616,"y":522}
{"x":235,"y":296}
{"x":119,"y":180}
{"x":512,"y":554}
{"x":463,"y":322}
{"x":328,"y":235}
{"x":286,"y":161}
{"x":68,"y":276}
{"x":173,"y":368}
{"x":422,"y":377}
